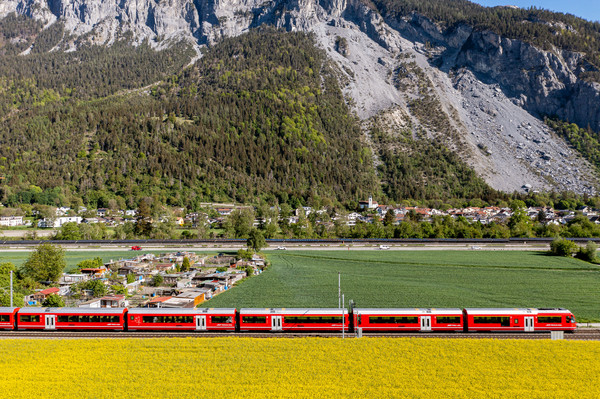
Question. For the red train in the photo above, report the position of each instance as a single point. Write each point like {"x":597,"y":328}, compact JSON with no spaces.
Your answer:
{"x":145,"y":319}
{"x":409,"y":319}
{"x":293,"y":319}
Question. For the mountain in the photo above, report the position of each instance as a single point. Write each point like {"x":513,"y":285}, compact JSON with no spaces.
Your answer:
{"x":440,"y":88}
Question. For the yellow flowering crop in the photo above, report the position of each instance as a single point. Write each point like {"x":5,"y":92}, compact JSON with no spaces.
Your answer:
{"x":299,"y":368}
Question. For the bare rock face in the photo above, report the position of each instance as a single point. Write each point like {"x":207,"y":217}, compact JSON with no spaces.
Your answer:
{"x":488,"y":92}
{"x":545,"y":82}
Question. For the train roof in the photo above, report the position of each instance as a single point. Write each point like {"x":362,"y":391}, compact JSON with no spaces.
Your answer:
{"x":512,"y":311}
{"x":294,"y":311}
{"x":410,"y":311}
{"x":72,"y":310}
{"x":7,"y":309}
{"x":176,"y":311}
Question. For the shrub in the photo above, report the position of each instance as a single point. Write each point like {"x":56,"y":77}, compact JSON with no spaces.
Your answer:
{"x":563,"y":247}
{"x":588,"y":253}
{"x":244,"y":254}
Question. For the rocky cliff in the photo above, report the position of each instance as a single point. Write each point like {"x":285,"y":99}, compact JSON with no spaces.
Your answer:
{"x":479,"y":93}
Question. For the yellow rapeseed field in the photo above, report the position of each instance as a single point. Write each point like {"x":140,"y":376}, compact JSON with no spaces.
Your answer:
{"x":299,"y":368}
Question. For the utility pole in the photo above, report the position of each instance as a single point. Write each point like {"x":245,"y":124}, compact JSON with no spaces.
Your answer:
{"x":339,"y":290}
{"x":343,"y":320}
{"x":11,"y":289}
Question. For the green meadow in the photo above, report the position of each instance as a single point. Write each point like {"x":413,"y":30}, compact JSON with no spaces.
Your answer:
{"x":421,"y":279}
{"x":404,"y":279}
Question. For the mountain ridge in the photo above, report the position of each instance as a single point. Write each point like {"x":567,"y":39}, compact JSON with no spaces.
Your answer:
{"x":470,"y":89}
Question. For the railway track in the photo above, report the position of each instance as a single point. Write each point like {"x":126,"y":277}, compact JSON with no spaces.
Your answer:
{"x":580,"y":335}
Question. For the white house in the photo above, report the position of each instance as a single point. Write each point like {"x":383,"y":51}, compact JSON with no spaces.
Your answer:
{"x":62,"y":211}
{"x":11,"y":221}
{"x":59,"y":222}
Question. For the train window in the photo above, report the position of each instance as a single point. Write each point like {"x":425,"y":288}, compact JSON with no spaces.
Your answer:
{"x":393,"y":320}
{"x":115,"y":319}
{"x":549,"y":319}
{"x":312,"y":319}
{"x":221,"y":319}
{"x":29,"y":318}
{"x":504,"y":321}
{"x":254,"y":319}
{"x":4,"y":318}
{"x":84,"y":319}
{"x":95,"y":319}
{"x":62,"y":319}
{"x":72,"y":319}
{"x":448,"y":319}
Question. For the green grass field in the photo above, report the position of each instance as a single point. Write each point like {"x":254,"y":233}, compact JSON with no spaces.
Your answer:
{"x":422,"y":279}
{"x":405,"y":279}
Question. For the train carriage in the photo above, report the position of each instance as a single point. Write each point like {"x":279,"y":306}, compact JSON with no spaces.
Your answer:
{"x":71,"y":319}
{"x":411,"y":319}
{"x":524,"y":319}
{"x":283,"y":319}
{"x":204,"y":319}
{"x":7,"y":318}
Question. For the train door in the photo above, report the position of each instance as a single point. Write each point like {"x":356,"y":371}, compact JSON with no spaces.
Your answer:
{"x":50,"y":322}
{"x":529,"y":324}
{"x":425,"y":323}
{"x":200,"y":323}
{"x":276,"y":323}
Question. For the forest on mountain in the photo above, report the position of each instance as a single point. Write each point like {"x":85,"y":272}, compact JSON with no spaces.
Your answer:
{"x":258,"y":117}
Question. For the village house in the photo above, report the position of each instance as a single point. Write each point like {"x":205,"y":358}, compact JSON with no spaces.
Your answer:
{"x":59,"y":221}
{"x":40,"y":296}
{"x":113,"y":301}
{"x":225,"y":211}
{"x":95,"y":272}
{"x":163,"y":267}
{"x":11,"y":221}
{"x":70,"y":279}
{"x":62,"y":211}
{"x":156,"y":302}
{"x":197,"y":296}
{"x":109,"y":301}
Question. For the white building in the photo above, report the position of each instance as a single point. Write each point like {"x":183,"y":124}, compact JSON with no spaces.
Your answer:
{"x":62,"y":211}
{"x":59,"y":222}
{"x":11,"y":221}
{"x":368,"y":204}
